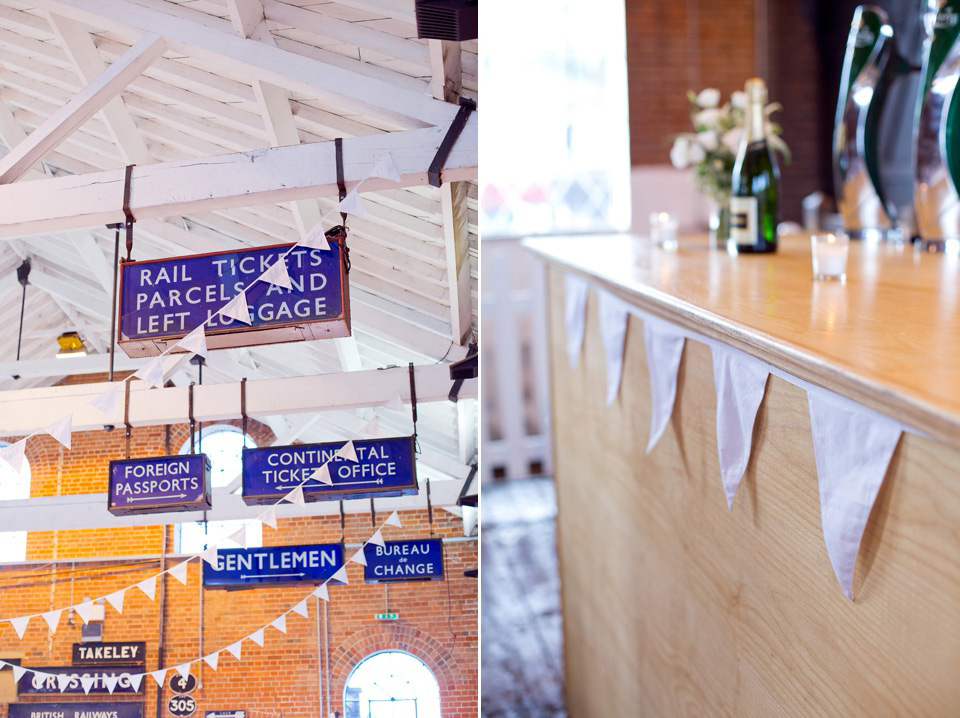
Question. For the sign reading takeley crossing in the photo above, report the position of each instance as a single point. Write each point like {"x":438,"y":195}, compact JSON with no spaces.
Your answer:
{"x":253,"y":567}
{"x":384,"y":467}
{"x":158,"y":484}
{"x":132,"y":653}
{"x":161,"y":301}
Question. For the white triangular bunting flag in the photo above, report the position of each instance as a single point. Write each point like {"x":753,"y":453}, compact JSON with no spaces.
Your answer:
{"x":110,"y":682}
{"x":18,"y":672}
{"x":576,"y":290}
{"x":277,"y":274}
{"x":322,"y":475}
{"x":853,"y":447}
{"x":302,"y":609}
{"x":322,"y":592}
{"x":212,"y":660}
{"x":386,"y":169}
{"x":135,"y":680}
{"x":237,"y":308}
{"x":257,"y":637}
{"x":179,"y":572}
{"x":340,"y":576}
{"x":63,"y":680}
{"x":210,"y":555}
{"x":316,"y":239}
{"x":85,"y":610}
{"x":235,"y":649}
{"x":295,"y":497}
{"x":613,"y":328}
{"x":184,"y":670}
{"x":740,"y":381}
{"x":240,"y":536}
{"x":395,"y":403}
{"x":269,"y":517}
{"x":377,"y":539}
{"x":371,"y":428}
{"x":394,"y":520}
{"x":61,"y":430}
{"x":148,"y":586}
{"x":20,"y":624}
{"x":116,"y":599}
{"x":13,"y":454}
{"x":195,"y":341}
{"x":348,"y":452}
{"x":358,"y":557}
{"x":152,"y":373}
{"x":352,"y":204}
{"x":107,"y":402}
{"x":664,"y":351}
{"x":87,"y":682}
{"x":280,"y":623}
{"x":53,"y":619}
{"x":159,"y":676}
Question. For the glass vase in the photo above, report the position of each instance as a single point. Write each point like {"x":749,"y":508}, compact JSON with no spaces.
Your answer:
{"x":719,"y":222}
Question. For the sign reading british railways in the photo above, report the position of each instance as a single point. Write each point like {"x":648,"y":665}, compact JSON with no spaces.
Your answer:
{"x":75,"y":710}
{"x":158,"y":484}
{"x":163,"y":300}
{"x":384,"y":467}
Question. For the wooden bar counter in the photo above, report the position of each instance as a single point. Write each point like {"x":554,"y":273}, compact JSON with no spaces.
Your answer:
{"x":675,"y":606}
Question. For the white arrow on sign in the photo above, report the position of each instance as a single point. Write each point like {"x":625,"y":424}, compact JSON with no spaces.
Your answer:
{"x":155,"y":498}
{"x":347,"y":483}
{"x":269,"y":575}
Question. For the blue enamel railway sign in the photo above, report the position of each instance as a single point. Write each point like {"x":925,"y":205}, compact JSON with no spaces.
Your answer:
{"x":267,"y":566}
{"x":418,"y":560}
{"x":159,"y":484}
{"x":75,"y":710}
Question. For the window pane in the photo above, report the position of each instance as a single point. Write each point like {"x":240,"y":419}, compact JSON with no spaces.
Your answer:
{"x":392,"y":685}
{"x":13,"y":486}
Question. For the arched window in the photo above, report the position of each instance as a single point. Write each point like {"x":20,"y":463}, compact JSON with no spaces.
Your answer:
{"x":391,"y":684}
{"x":13,"y":486}
{"x":223,"y":444}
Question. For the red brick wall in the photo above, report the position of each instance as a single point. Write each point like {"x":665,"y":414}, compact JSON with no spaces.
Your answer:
{"x":438,"y":621}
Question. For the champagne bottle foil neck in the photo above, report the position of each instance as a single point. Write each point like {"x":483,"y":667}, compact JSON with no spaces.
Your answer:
{"x":756,"y":91}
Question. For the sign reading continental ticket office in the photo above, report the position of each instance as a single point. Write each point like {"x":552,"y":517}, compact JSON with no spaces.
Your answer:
{"x":75,"y":710}
{"x":161,"y":301}
{"x":159,"y":484}
{"x":116,"y":653}
{"x":32,"y":684}
{"x":420,"y":560}
{"x":268,"y":566}
{"x":384,"y":467}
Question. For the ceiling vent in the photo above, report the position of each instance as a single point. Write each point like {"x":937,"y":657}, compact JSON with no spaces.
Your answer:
{"x":454,"y":20}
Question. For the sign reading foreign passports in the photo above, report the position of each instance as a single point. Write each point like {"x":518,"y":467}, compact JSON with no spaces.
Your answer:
{"x":32,"y":684}
{"x":255,"y":567}
{"x":161,"y":301}
{"x":384,"y":467}
{"x":75,"y":710}
{"x":159,"y":484}
{"x":419,"y":560}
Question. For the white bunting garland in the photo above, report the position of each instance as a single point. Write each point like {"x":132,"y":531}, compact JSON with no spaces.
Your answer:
{"x":576,"y":290}
{"x":269,"y":517}
{"x":386,"y":169}
{"x":302,"y":609}
{"x":53,"y":619}
{"x":152,"y":373}
{"x":377,"y":539}
{"x":277,"y":274}
{"x":210,"y":555}
{"x":212,"y":660}
{"x":107,"y":402}
{"x":296,"y":497}
{"x":195,"y":341}
{"x":20,"y":624}
{"x":352,"y":204}
{"x":63,"y":681}
{"x":235,"y":649}
{"x":280,"y":623}
{"x":179,"y":572}
{"x":323,"y":475}
{"x":13,"y":454}
{"x":358,"y":557}
{"x":61,"y":430}
{"x":316,"y":239}
{"x":159,"y":676}
{"x":613,"y":329}
{"x":239,"y":536}
{"x":87,"y":682}
{"x":348,"y":452}
{"x":110,"y":682}
{"x":237,"y":308}
{"x":116,"y":599}
{"x":184,"y":670}
{"x":664,"y":352}
{"x":85,"y":610}
{"x":149,"y":587}
{"x":322,"y":592}
{"x":394,"y":520}
{"x":135,"y":680}
{"x":18,"y":671}
{"x":340,"y":575}
{"x":257,"y":637}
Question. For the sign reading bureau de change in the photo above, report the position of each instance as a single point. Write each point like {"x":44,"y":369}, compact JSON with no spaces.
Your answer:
{"x":32,"y":684}
{"x":158,"y":484}
{"x":420,"y":560}
{"x":75,"y":710}
{"x":161,"y":301}
{"x":384,"y":467}
{"x":255,"y":567}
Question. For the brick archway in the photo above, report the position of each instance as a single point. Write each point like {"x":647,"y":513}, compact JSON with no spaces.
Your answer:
{"x":398,"y":637}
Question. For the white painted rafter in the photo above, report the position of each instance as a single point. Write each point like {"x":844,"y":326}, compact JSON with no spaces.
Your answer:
{"x":91,"y":99}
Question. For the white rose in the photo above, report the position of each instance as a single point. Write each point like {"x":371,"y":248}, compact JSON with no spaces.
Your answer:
{"x":706,"y":118}
{"x":696,"y":154}
{"x":731,"y":139}
{"x":679,"y":153}
{"x":709,"y":97}
{"x":739,"y":99}
{"x":709,"y":140}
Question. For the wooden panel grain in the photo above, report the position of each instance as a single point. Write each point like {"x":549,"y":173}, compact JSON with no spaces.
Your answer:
{"x":675,"y":606}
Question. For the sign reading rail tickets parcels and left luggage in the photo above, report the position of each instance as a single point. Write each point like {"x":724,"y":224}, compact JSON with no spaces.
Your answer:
{"x":158,"y":484}
{"x":384,"y":467}
{"x":163,"y":300}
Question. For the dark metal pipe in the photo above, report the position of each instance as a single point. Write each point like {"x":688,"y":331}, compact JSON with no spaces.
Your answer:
{"x":113,"y":303}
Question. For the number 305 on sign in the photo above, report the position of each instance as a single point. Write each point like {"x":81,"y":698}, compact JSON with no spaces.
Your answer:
{"x":182,"y":706}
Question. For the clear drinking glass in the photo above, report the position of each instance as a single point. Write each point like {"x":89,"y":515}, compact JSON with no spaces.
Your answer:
{"x":663,"y":229}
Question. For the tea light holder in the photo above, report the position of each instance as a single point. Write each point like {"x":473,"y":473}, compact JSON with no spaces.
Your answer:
{"x":663,"y":229}
{"x":830,"y":256}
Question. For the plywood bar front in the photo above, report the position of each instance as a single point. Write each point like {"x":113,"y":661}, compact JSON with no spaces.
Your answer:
{"x":674,"y":605}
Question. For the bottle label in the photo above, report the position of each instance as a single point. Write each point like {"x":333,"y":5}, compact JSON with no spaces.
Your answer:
{"x":743,"y":220}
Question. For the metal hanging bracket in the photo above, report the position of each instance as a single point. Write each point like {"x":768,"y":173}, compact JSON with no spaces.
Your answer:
{"x":126,"y":415}
{"x":343,"y":523}
{"x":243,"y":406}
{"x":129,"y":219}
{"x":429,"y":508}
{"x":373,"y":514}
{"x":341,"y":182}
{"x":193,"y":422}
{"x":413,"y":398}
{"x":450,"y":139}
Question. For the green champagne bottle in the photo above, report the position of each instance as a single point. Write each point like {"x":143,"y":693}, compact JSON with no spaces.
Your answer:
{"x":755,"y":189}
